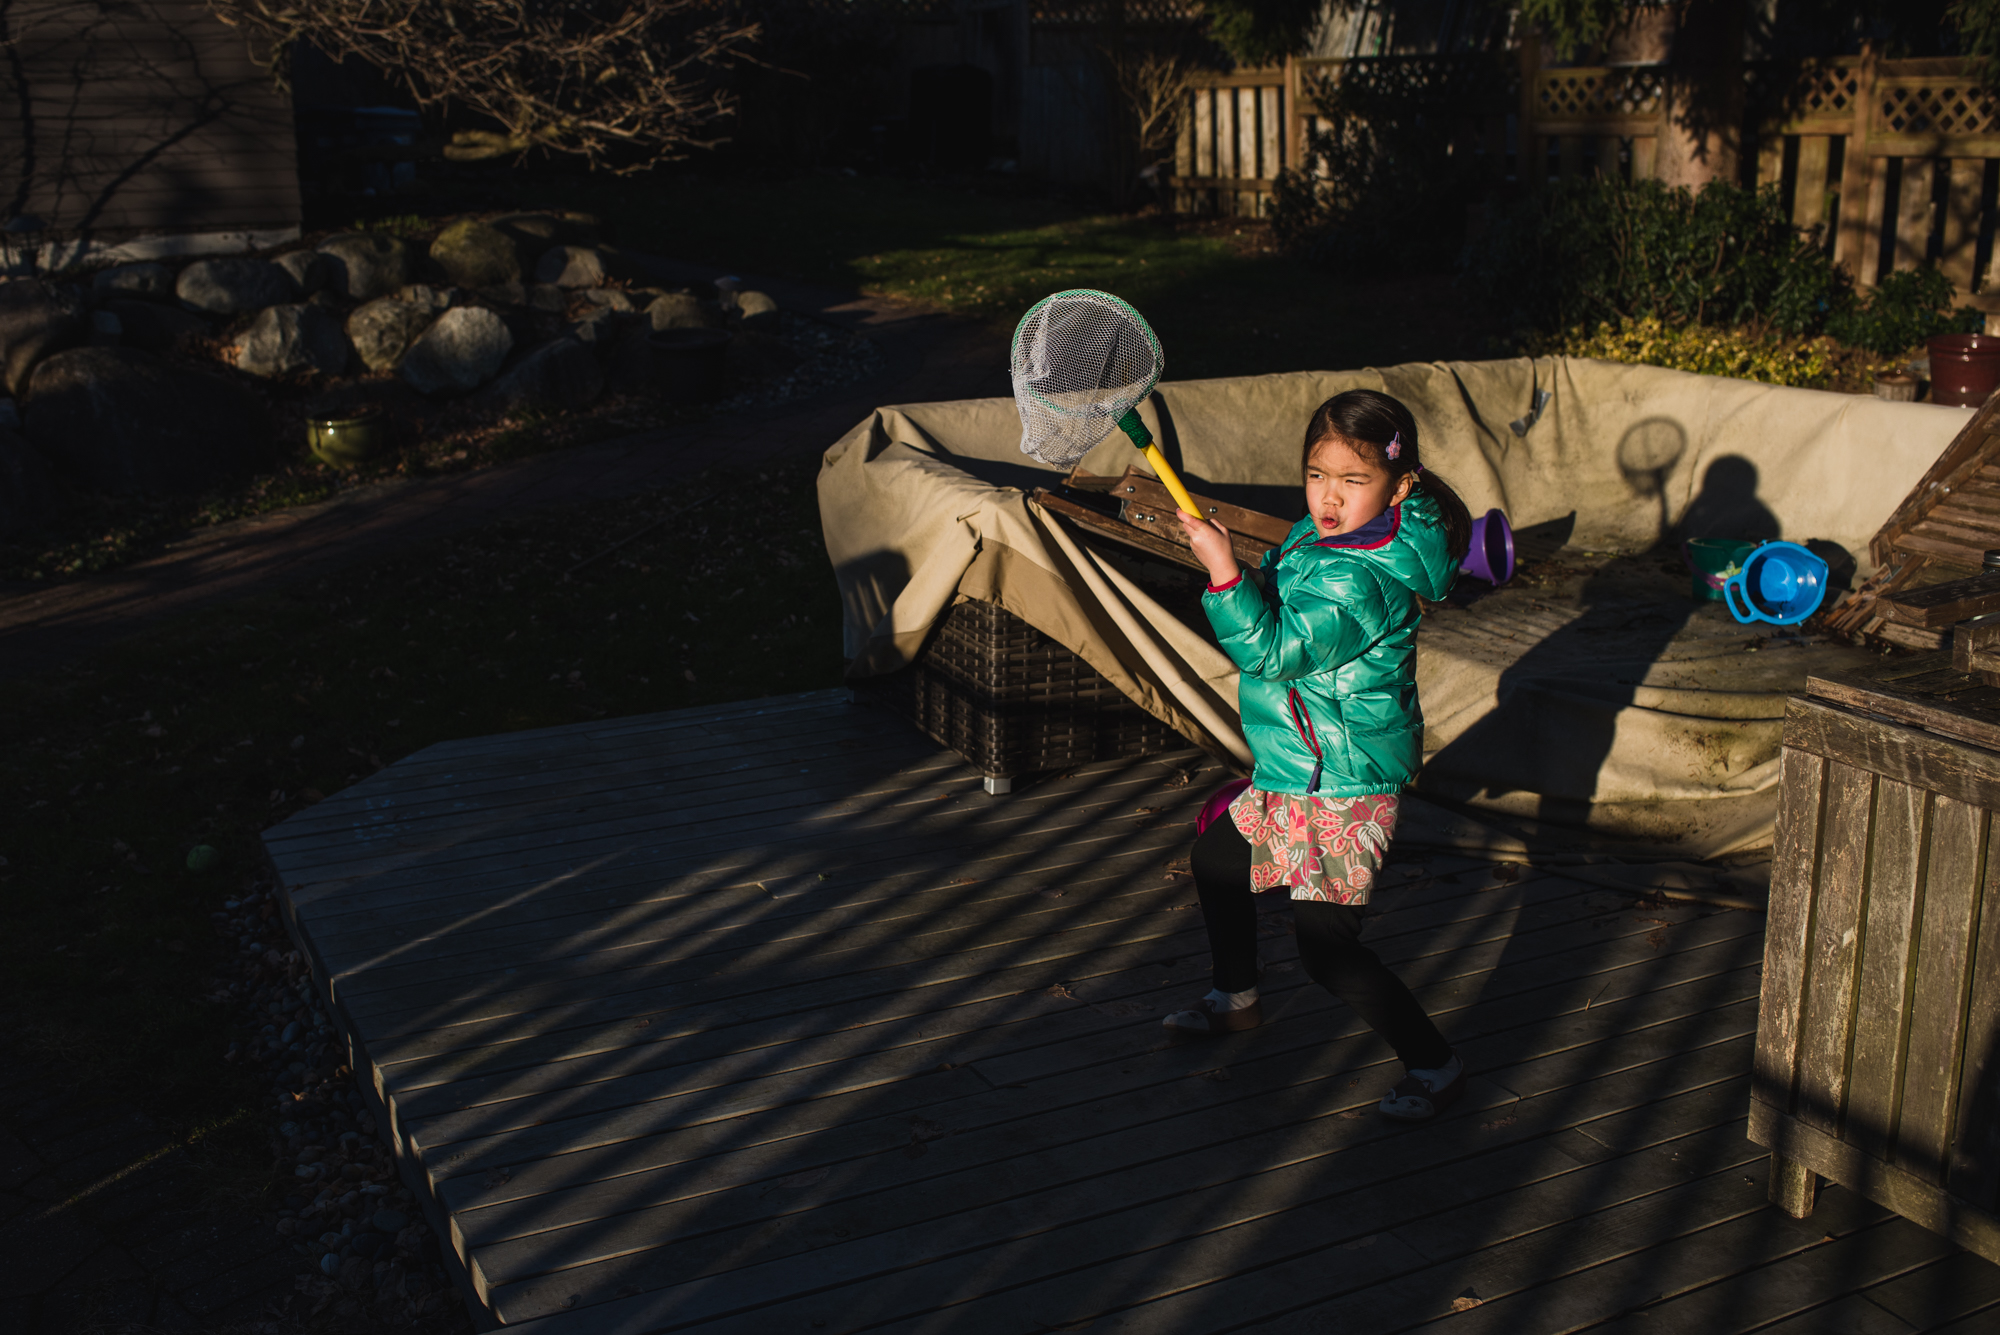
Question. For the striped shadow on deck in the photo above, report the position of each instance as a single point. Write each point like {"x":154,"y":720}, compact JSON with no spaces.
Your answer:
{"x":766,"y":1018}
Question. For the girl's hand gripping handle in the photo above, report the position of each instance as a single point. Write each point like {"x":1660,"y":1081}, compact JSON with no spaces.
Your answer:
{"x":1210,"y":541}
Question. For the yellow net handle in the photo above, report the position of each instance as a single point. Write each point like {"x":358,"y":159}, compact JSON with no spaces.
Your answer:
{"x":1171,"y":480}
{"x":1136,"y":429}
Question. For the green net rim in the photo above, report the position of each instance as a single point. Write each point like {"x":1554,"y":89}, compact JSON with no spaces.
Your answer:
{"x":1152,"y":341}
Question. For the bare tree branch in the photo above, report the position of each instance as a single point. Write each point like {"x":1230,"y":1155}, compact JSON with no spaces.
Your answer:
{"x":623,"y":84}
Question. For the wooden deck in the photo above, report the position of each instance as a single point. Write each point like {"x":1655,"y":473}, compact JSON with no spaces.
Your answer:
{"x":766,"y":1018}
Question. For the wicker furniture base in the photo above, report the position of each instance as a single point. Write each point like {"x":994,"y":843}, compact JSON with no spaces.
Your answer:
{"x":1013,"y":701}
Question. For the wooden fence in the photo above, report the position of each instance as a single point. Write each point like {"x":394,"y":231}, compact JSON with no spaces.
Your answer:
{"x":1897,"y":159}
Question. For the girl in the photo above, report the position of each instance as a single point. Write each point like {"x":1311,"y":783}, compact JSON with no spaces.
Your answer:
{"x":1327,"y":649}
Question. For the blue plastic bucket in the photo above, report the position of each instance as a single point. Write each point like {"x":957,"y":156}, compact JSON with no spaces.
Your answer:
{"x":1781,"y":583}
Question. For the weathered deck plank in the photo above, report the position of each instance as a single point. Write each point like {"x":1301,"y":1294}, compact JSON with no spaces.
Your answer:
{"x":675,"y":1036}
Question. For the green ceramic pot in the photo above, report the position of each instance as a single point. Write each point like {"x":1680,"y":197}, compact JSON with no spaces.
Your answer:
{"x":1711,"y":561}
{"x":346,"y":441}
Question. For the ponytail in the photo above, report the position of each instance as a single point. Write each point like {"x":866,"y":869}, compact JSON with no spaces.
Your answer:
{"x":1367,"y":419}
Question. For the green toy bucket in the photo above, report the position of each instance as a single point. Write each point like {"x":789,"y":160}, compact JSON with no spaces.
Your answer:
{"x":1711,"y":561}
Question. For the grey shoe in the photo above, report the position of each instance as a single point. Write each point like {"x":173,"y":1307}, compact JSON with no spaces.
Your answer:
{"x":1205,"y":1021}
{"x":1412,"y":1099}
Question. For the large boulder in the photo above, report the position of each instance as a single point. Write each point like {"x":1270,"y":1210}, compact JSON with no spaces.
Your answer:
{"x":293,"y":338}
{"x":369,"y":264}
{"x":232,"y":284}
{"x":559,"y":375}
{"x":571,"y":266}
{"x":29,"y":498}
{"x":146,"y":279}
{"x":383,"y":330}
{"x":472,"y":254}
{"x":536,"y":232}
{"x":123,"y":422}
{"x":37,"y":319}
{"x":152,"y":326}
{"x":531,"y":233}
{"x":680,"y":310}
{"x":311,"y":270}
{"x":462,"y":350}
{"x":758,"y":310}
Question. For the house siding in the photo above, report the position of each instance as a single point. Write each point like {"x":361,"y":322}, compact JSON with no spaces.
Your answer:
{"x":126,"y":117}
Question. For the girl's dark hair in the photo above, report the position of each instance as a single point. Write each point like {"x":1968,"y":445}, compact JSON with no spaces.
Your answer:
{"x":1369,"y":420}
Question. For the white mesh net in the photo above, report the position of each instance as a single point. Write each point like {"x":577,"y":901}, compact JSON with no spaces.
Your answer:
{"x":1082,"y":360}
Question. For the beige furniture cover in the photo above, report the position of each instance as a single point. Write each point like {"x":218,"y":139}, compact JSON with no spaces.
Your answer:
{"x":925,"y":504}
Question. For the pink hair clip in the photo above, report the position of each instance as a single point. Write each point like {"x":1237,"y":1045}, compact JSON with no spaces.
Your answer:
{"x":1395,"y":446}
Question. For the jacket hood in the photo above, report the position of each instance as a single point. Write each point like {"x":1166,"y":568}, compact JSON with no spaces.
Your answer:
{"x":1407,"y":542}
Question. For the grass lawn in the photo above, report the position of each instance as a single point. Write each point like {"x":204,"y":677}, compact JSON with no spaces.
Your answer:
{"x":1221,"y":300}
{"x":218,"y":725}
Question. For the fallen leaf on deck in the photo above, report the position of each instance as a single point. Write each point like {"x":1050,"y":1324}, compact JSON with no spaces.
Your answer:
{"x":1062,"y":990}
{"x":1352,"y":1114}
{"x":1464,"y":1304}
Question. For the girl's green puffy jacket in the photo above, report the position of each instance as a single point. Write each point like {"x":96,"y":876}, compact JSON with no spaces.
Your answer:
{"x":1327,"y":642}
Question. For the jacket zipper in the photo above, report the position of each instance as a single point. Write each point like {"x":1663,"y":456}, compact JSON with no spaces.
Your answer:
{"x":1302,"y":720}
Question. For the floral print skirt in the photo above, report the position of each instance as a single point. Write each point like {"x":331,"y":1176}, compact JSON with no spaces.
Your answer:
{"x":1324,"y":848}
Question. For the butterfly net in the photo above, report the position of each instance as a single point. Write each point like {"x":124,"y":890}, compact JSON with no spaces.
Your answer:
{"x":1082,"y":361}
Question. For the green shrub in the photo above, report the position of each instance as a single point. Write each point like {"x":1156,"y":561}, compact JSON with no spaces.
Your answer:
{"x":1746,"y":353}
{"x":1382,"y":183}
{"x":1906,"y":308}
{"x":1591,"y":249}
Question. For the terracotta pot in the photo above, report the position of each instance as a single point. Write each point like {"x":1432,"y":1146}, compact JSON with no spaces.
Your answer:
{"x":1965,"y":368}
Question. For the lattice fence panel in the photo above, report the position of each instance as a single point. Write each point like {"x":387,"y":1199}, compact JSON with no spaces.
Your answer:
{"x":1945,"y":109}
{"x":1599,"y":94}
{"x":1821,"y":95}
{"x":1099,"y":13}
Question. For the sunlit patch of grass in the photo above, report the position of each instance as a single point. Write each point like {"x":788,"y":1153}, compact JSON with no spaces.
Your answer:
{"x":1222,"y":300}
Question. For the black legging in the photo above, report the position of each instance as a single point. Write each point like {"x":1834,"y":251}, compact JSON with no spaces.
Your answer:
{"x":1329,"y":946}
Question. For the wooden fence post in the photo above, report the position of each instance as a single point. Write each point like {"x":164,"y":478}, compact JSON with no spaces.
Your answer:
{"x":1913,"y":212}
{"x":1608,"y":148}
{"x":1770,"y":159}
{"x":1645,"y":157}
{"x":1858,"y":186}
{"x":1294,"y":148}
{"x":1961,"y":222}
{"x":1532,"y":165}
{"x":1809,"y":191}
{"x":1184,"y":141}
{"x":1246,"y":150}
